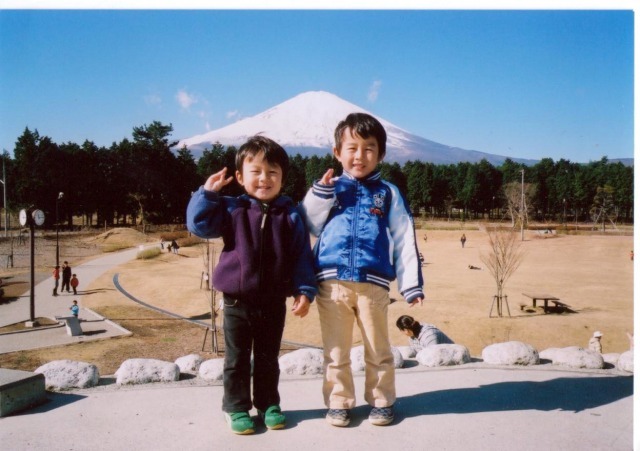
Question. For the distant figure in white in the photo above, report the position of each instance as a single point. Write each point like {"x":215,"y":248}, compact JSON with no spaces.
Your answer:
{"x":594,"y":342}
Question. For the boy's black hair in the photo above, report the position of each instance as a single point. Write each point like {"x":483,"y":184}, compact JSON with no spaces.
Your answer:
{"x":364,"y":125}
{"x":407,"y":322}
{"x":273,"y":153}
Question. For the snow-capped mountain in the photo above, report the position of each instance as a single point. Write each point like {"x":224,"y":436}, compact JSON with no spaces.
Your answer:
{"x":305,"y":124}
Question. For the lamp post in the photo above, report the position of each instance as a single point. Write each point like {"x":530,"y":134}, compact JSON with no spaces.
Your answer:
{"x":522,"y":208}
{"x":4,"y":186}
{"x":60,"y":196}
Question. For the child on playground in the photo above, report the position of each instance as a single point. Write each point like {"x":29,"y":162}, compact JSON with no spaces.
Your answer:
{"x":75,"y":309}
{"x":266,"y":257}
{"x":366,"y":239}
{"x":74,"y":282}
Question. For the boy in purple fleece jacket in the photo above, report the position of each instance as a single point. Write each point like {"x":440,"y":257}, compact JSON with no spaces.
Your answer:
{"x":266,"y":257}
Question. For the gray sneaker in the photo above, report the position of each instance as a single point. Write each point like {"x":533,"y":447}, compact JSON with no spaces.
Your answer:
{"x":338,"y":417}
{"x":381,"y":416}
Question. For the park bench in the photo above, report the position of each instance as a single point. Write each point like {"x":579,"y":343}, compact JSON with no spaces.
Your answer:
{"x":547,"y":298}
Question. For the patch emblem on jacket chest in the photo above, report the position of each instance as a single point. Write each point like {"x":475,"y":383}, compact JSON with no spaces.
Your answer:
{"x":378,"y":205}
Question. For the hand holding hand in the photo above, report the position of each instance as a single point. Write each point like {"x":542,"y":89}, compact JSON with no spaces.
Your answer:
{"x":217,"y":181}
{"x":301,"y":306}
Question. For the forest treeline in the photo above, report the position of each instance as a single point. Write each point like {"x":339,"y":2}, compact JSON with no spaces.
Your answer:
{"x":141,"y":180}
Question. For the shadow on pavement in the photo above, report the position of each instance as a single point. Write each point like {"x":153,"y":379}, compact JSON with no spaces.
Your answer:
{"x":567,"y":394}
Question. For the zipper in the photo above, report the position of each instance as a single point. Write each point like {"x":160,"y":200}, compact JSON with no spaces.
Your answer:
{"x":265,"y":209}
{"x":354,"y":229}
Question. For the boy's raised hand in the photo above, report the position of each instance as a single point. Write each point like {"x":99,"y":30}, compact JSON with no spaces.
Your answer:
{"x":327,"y":178}
{"x":217,"y":181}
{"x":301,"y":306}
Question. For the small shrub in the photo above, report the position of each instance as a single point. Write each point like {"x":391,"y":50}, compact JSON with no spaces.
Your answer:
{"x":114,"y":247}
{"x":149,"y":253}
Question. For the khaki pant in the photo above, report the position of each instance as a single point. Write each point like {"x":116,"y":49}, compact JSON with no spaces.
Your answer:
{"x":341,"y":303}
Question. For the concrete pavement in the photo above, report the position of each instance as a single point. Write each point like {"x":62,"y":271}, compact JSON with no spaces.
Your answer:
{"x":472,"y":407}
{"x":95,"y":327}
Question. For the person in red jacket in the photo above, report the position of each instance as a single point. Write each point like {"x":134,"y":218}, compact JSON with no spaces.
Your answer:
{"x":74,"y":283}
{"x":56,"y":279}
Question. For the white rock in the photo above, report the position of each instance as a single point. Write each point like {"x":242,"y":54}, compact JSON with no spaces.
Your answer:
{"x":398,"y":359}
{"x":67,"y":374}
{"x":549,"y":353}
{"x":443,"y":355}
{"x":302,"y":362}
{"x":358,"y":363}
{"x":625,"y":362}
{"x":611,"y":358}
{"x":574,"y":357}
{"x":189,"y":363}
{"x":143,"y":371}
{"x":407,"y":352}
{"x":510,"y":353}
{"x":212,"y":370}
{"x":357,"y":359}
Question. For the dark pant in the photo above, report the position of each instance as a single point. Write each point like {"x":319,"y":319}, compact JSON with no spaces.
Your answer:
{"x":65,"y":283}
{"x":248,"y":325}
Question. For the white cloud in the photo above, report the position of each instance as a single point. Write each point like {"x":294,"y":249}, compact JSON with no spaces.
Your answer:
{"x":374,"y":90}
{"x":185,"y":99}
{"x":232,"y":114}
{"x":153,"y":100}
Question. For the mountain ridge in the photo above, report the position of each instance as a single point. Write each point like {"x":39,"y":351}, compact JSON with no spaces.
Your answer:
{"x":305,"y":124}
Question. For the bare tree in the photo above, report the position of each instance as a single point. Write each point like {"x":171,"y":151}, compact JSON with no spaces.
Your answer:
{"x":502,"y":260}
{"x":515,"y":201}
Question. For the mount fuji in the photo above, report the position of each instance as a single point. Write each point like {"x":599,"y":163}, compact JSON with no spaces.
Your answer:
{"x":305,"y":124}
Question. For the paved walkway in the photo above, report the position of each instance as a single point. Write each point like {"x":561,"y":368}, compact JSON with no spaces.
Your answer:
{"x":464,"y":408}
{"x":94,"y":326}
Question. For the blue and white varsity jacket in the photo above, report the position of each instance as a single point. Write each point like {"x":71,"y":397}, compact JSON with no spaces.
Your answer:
{"x":365,"y":233}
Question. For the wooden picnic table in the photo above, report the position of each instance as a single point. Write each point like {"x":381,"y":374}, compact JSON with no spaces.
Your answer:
{"x":546,"y":298}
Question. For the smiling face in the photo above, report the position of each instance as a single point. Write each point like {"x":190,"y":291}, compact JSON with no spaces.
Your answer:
{"x":359,"y":156}
{"x":260,"y":179}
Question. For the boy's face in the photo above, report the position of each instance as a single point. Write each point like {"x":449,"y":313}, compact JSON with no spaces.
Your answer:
{"x":260,"y":178}
{"x":358,"y":156}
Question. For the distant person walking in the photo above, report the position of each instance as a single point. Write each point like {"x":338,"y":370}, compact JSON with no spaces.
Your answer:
{"x":74,"y":283}
{"x":463,"y":239}
{"x":66,"y":277}
{"x":174,"y":246}
{"x":56,"y":279}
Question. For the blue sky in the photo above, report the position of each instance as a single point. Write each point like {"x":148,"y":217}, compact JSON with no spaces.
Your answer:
{"x":526,"y":84}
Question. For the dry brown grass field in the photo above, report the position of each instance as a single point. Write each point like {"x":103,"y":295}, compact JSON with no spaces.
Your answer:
{"x":593,"y":274}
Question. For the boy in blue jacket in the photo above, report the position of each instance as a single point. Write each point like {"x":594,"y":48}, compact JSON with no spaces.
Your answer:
{"x":366,"y":239}
{"x":266,"y":257}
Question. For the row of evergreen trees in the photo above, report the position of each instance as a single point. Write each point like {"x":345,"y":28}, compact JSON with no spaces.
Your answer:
{"x":142,"y":180}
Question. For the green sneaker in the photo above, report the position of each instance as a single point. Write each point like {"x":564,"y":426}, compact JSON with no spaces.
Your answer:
{"x":240,"y":423}
{"x":273,"y":417}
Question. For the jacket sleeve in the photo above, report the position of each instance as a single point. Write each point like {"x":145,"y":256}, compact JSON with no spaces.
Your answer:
{"x":317,"y":205}
{"x":205,"y":213}
{"x":405,"y":249}
{"x":304,"y":277}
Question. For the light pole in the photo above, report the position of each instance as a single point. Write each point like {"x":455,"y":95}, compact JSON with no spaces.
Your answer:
{"x":60,"y":196}
{"x":4,"y":186}
{"x":522,"y":209}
